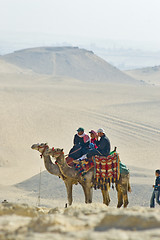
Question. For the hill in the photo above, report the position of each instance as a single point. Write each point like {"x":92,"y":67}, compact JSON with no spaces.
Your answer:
{"x":150,"y":75}
{"x":69,"y":62}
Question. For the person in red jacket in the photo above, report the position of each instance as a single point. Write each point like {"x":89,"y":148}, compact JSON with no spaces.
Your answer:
{"x":93,"y":136}
{"x":103,"y":145}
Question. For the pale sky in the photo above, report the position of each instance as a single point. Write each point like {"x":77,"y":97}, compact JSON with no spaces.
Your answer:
{"x":130,"y":20}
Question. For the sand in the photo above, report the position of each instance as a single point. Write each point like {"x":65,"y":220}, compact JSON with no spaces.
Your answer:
{"x":40,"y":108}
{"x":21,"y":221}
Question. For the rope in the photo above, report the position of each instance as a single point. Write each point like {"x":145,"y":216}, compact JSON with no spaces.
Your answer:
{"x":39,"y":190}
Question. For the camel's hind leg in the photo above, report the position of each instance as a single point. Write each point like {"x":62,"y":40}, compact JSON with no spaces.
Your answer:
{"x":69,"y":185}
{"x":106,"y":197}
{"x":125,"y":195}
{"x":119,"y":195}
{"x":125,"y":187}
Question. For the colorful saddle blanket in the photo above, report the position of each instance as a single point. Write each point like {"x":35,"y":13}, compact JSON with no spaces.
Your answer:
{"x":107,"y":170}
{"x":81,"y":166}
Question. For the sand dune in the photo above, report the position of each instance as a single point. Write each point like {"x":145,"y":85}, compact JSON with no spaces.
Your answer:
{"x":51,"y":112}
{"x":150,"y":75}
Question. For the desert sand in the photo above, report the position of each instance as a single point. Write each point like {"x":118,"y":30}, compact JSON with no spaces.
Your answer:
{"x":37,"y":107}
{"x":21,"y":221}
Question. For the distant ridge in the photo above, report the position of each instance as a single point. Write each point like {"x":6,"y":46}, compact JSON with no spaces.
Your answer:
{"x":150,"y":75}
{"x":68,"y":62}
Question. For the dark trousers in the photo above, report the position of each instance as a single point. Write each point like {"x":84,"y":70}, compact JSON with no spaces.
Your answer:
{"x":77,"y":151}
{"x":155,"y":195}
{"x":94,"y":152}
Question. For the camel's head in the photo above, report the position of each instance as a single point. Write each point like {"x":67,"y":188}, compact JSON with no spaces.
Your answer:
{"x":55,"y":152}
{"x":42,"y":147}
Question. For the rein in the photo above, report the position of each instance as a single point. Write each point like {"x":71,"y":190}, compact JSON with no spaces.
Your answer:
{"x":59,"y":156}
{"x":61,"y":153}
{"x":41,"y":155}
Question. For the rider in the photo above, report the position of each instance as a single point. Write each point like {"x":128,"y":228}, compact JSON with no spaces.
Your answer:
{"x":103,"y":145}
{"x":93,"y":136}
{"x":81,"y":144}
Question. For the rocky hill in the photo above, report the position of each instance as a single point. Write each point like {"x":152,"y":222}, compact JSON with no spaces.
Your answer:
{"x":67,"y":62}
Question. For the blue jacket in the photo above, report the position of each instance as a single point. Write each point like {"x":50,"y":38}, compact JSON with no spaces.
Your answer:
{"x":157,"y":181}
{"x":103,"y":145}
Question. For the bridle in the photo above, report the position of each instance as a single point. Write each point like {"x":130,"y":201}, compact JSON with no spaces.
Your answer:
{"x":59,"y":154}
{"x":46,"y":146}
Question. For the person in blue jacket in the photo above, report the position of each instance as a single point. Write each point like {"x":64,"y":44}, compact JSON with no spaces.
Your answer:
{"x":103,"y":145}
{"x":156,"y":191}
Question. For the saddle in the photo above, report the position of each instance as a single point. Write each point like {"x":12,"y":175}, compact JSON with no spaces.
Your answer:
{"x":106,"y":169}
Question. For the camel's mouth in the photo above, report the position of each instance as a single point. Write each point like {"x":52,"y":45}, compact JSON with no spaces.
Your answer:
{"x":34,"y":146}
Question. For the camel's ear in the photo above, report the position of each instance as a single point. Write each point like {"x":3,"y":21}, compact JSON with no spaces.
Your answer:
{"x":62,"y":150}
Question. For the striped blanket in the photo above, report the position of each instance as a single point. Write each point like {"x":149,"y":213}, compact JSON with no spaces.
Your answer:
{"x":107,"y":170}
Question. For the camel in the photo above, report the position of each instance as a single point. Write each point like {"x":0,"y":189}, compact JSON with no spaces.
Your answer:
{"x":122,"y":186}
{"x":70,"y":172}
{"x":70,"y":177}
{"x":67,"y":175}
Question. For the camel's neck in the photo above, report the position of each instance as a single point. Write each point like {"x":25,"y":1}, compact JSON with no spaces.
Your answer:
{"x":50,"y":166}
{"x":65,"y":169}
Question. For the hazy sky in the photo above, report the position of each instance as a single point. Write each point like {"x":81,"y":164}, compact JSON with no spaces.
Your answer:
{"x":134,"y":20}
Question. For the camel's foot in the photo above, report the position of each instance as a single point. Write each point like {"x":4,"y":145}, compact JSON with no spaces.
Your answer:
{"x":69,"y":203}
{"x":119,"y":205}
{"x":107,"y":202}
{"x":125,"y":204}
{"x":89,"y":201}
{"x":125,"y":200}
{"x":129,"y":189}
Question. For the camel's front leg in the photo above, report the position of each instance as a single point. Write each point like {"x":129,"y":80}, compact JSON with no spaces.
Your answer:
{"x":88,"y":191}
{"x":69,"y":185}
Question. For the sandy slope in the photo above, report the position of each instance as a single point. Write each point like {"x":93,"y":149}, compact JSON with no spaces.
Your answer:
{"x":50,"y":111}
{"x":40,"y":108}
{"x":150,"y":75}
